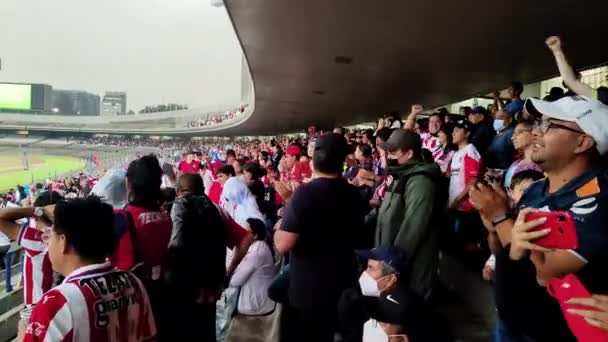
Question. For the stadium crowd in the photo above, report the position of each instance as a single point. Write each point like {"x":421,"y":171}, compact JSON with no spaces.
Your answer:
{"x":344,"y":229}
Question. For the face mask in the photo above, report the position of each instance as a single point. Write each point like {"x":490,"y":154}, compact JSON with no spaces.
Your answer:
{"x":373,"y":332}
{"x":390,"y":162}
{"x":369,"y":285}
{"x":499,"y":124}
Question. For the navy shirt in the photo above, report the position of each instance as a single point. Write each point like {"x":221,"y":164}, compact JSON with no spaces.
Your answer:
{"x":586,"y":197}
{"x":501,"y":153}
{"x":525,"y":307}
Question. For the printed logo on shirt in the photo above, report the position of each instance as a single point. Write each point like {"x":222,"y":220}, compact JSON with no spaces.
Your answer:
{"x":106,"y":287}
{"x":585,"y":206}
{"x":35,"y":329}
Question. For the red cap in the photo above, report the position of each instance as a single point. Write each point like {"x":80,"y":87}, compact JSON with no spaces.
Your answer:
{"x":293,"y":150}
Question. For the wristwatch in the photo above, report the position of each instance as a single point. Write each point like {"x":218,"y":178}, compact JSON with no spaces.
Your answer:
{"x":498,"y":219}
{"x":38,"y":212}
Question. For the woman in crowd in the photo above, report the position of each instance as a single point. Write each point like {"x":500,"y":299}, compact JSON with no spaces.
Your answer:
{"x":448,"y":148}
{"x":255,"y":273}
{"x":168,"y":179}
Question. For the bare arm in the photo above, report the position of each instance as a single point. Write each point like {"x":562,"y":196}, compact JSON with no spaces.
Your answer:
{"x":240,"y":251}
{"x":284,"y":241}
{"x":566,"y":71}
{"x":8,"y":216}
{"x":410,"y":122}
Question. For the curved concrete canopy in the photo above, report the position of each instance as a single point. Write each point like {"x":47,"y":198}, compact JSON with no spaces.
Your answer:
{"x":428,"y":51}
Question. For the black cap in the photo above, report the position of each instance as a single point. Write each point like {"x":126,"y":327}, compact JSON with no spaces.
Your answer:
{"x":479,"y":110}
{"x":404,"y":140}
{"x":464,"y":124}
{"x":333,"y":144}
{"x":391,"y":255}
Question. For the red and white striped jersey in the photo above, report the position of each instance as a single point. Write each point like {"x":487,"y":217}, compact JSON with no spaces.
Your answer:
{"x":95,"y":303}
{"x":431,"y":143}
{"x":37,"y":270}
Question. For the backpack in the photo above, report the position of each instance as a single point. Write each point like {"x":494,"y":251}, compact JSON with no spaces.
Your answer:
{"x":197,"y":252}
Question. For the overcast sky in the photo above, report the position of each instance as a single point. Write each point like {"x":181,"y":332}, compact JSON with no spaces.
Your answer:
{"x":158,"y":51}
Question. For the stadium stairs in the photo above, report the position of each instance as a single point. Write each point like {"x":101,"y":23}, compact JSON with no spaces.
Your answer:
{"x":11,"y":302}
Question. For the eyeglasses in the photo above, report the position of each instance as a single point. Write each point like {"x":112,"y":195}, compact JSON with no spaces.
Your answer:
{"x":545,"y":126}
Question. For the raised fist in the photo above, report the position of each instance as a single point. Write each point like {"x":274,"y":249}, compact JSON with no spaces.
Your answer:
{"x":417,"y":109}
{"x":554,"y":43}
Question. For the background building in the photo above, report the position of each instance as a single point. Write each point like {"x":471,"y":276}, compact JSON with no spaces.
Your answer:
{"x":114,"y":103}
{"x":75,"y":102}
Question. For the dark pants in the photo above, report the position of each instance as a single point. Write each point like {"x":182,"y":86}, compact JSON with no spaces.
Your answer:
{"x":308,"y":325}
{"x":278,"y":289}
{"x":188,"y":322}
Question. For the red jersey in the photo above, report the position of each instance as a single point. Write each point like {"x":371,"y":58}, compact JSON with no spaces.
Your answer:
{"x":37,"y":270}
{"x":153,"y":232}
{"x":95,"y":303}
{"x":215,"y":192}
{"x":192,"y":167}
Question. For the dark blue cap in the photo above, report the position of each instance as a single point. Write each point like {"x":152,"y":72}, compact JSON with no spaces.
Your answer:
{"x":391,"y":255}
{"x":514,"y":107}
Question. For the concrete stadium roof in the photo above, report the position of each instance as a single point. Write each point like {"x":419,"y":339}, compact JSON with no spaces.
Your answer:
{"x":344,"y":61}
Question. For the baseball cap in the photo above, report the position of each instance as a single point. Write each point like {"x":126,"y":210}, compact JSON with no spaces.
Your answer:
{"x":391,"y":255}
{"x":479,"y":110}
{"x":333,"y":143}
{"x":403,"y":139}
{"x":464,"y":124}
{"x":293,"y":150}
{"x":514,"y":107}
{"x":589,"y":114}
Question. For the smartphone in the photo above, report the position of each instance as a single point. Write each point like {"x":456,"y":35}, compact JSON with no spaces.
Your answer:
{"x":562,"y":226}
{"x":565,"y":289}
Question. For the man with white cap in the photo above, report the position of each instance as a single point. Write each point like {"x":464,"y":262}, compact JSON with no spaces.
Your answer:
{"x":568,"y":143}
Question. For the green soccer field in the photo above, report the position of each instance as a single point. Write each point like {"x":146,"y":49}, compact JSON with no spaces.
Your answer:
{"x":41,"y":167}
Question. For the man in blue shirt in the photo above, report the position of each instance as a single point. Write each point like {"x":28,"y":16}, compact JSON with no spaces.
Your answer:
{"x":567,"y":143}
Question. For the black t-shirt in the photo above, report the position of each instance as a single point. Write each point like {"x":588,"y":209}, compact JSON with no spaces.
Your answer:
{"x":327,"y":214}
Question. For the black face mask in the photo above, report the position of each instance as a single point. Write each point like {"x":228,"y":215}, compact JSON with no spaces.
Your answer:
{"x":392,"y":162}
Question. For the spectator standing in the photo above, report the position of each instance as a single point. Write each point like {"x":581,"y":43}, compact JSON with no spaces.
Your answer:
{"x":429,"y":138}
{"x":320,"y":227}
{"x":144,"y":229}
{"x":482,"y":132}
{"x":196,"y":262}
{"x":224,"y":173}
{"x":26,"y":225}
{"x":448,"y":148}
{"x":410,"y":214}
{"x":169,"y":179}
{"x":501,"y":153}
{"x":189,"y":165}
{"x":96,"y":302}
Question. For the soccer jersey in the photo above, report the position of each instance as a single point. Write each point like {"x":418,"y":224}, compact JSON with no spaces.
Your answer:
{"x":37,"y":271}
{"x":94,"y":303}
{"x":431,"y":143}
{"x":192,"y":167}
{"x":465,"y":166}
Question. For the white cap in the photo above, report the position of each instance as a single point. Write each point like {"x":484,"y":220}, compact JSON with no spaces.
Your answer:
{"x":589,"y":114}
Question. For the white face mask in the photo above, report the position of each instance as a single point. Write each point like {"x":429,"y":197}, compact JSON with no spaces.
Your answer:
{"x":373,"y":332}
{"x":369,"y":285}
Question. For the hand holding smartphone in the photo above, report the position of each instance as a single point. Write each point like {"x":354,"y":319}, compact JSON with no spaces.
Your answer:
{"x":567,"y":288}
{"x":562,"y":233}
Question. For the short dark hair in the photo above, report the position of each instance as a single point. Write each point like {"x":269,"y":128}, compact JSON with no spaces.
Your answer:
{"x":144,"y":175}
{"x":47,"y":198}
{"x":230,"y":153}
{"x":191,"y":182}
{"x":525,"y":175}
{"x":518,"y":87}
{"x":227,"y":170}
{"x":384,"y":133}
{"x":98,"y":240}
{"x":366,"y":150}
{"x":258,"y":228}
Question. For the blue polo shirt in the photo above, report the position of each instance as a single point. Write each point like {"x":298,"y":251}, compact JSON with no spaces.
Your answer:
{"x":586,"y":197}
{"x":526,"y":308}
